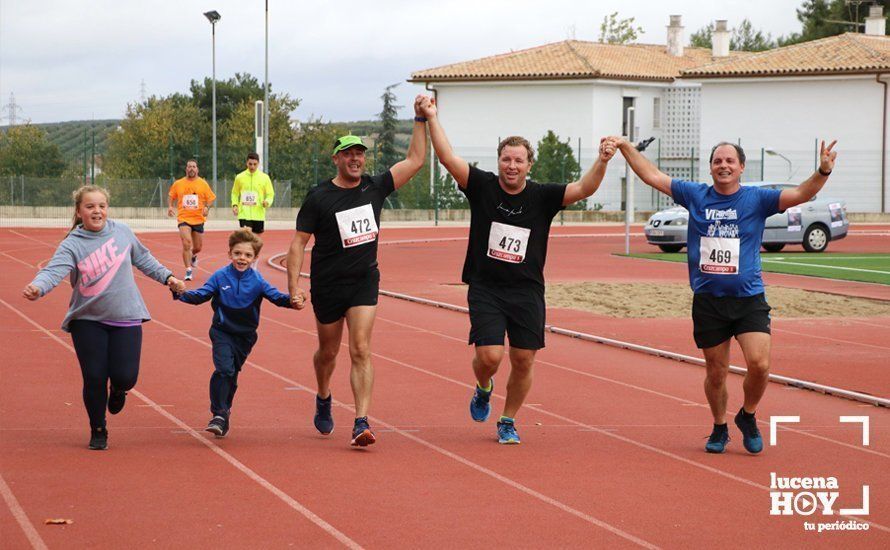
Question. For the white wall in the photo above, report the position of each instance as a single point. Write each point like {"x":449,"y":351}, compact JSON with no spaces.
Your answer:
{"x":788,"y":115}
{"x":476,"y":115}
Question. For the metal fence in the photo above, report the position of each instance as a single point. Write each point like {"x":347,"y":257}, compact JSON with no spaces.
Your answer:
{"x":856,"y":180}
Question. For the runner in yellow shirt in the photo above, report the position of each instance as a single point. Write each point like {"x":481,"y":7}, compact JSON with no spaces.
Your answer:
{"x":252,"y":193}
{"x":193,"y":198}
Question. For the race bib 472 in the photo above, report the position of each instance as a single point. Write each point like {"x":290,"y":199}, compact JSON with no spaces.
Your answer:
{"x":357,"y":226}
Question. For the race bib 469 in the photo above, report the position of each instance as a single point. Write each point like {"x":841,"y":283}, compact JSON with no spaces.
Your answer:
{"x":719,"y":256}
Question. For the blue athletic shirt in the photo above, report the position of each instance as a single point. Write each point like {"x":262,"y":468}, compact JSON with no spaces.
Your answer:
{"x":235,"y":298}
{"x":724,"y":236}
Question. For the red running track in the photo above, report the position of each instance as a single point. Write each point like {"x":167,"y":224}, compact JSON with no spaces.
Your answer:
{"x":611,"y":454}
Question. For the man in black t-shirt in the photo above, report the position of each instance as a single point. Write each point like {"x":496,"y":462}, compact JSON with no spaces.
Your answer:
{"x":344,"y":215}
{"x":504,"y":267}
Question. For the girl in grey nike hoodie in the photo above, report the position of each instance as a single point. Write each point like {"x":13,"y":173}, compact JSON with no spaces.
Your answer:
{"x":106,"y":311}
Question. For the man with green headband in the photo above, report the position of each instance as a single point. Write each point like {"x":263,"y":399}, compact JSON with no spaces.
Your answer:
{"x":344,"y":215}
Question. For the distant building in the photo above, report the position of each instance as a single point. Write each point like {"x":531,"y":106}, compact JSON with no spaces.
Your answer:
{"x":689,"y":99}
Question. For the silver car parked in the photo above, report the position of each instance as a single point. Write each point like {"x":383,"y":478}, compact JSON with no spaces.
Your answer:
{"x":813,"y":224}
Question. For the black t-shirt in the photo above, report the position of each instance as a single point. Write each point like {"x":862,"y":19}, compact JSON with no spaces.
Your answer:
{"x":508,"y":233}
{"x":346,"y":224}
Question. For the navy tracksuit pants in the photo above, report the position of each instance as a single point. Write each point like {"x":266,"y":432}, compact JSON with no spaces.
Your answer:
{"x":230,"y":352}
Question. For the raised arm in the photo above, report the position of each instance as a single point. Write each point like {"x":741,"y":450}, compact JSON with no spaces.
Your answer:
{"x":456,"y":166}
{"x":591,"y":180}
{"x":294,"y":265}
{"x":808,"y":189}
{"x":405,"y":170}
{"x":642,"y":167}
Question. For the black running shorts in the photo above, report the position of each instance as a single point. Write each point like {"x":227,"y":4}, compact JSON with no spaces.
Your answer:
{"x":717,"y":319}
{"x":257,"y":226}
{"x":331,"y":302}
{"x":517,"y":310}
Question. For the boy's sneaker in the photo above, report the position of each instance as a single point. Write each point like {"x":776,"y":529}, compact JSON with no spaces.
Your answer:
{"x":480,"y":407}
{"x":718,"y":440}
{"x":116,"y":400}
{"x":324,"y":421}
{"x":362,"y":436}
{"x":195,"y":260}
{"x":507,"y":432}
{"x":218,"y":426}
{"x":751,"y":438}
{"x":188,"y":274}
{"x":98,"y":439}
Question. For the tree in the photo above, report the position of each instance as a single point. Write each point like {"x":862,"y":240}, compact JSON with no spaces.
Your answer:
{"x":556,"y":162}
{"x":25,"y":150}
{"x":230,"y":94}
{"x":237,"y":136}
{"x":155,"y":138}
{"x":743,"y":38}
{"x":823,"y":18}
{"x":619,"y":31}
{"x":387,"y":153}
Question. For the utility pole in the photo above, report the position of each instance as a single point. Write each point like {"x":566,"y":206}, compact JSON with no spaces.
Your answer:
{"x":13,"y":109}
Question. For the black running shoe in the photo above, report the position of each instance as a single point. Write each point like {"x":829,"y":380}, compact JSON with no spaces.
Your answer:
{"x":362,"y":436}
{"x":324,"y":421}
{"x":116,"y":400}
{"x":98,"y":439}
{"x":218,"y":426}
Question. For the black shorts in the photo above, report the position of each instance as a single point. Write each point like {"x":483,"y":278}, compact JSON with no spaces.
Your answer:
{"x":257,"y":226}
{"x":717,"y":319}
{"x":517,"y":310}
{"x":330,"y":303}
{"x":196,"y":228}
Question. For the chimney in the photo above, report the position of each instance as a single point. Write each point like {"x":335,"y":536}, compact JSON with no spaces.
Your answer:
{"x":875,"y":24}
{"x":720,"y":40}
{"x":675,"y":37}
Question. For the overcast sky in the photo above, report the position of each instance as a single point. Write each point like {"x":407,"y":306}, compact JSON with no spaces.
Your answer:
{"x":82,"y":59}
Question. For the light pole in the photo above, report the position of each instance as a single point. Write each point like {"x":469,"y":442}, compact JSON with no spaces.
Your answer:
{"x":772,"y":152}
{"x":213,"y":16}
{"x":266,"y":100}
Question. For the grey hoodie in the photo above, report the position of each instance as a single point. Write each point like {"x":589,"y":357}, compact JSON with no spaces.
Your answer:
{"x":101,"y":267}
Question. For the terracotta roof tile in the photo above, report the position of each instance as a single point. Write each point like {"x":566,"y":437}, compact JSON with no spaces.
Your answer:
{"x":842,"y":54}
{"x":573,"y":59}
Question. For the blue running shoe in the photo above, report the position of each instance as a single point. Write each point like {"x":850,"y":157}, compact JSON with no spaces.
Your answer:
{"x":480,"y":408}
{"x":324,"y":421}
{"x":751,"y":438}
{"x":362,"y":436}
{"x":507,"y":432}
{"x":718,"y":440}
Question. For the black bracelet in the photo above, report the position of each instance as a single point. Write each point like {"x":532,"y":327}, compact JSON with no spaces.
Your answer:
{"x":826,"y":174}
{"x":420,"y":119}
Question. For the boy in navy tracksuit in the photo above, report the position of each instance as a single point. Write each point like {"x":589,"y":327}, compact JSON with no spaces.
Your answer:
{"x":236,"y":292}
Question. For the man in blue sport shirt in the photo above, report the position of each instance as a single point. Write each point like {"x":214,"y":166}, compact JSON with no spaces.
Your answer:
{"x":725,"y":231}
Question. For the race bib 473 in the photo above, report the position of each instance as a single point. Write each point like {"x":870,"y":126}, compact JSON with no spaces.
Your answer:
{"x":357,"y":226}
{"x":507,"y":243}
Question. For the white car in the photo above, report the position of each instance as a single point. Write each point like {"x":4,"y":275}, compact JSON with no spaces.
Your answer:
{"x":812,"y":224}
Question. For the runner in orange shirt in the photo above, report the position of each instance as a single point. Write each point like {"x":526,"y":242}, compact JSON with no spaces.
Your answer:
{"x":193,"y":198}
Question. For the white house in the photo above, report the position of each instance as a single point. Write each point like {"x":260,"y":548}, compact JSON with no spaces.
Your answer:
{"x":776,"y":103}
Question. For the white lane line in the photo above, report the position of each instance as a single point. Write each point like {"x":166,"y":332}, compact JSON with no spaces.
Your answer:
{"x":783,"y":262}
{"x":284,"y":497}
{"x":594,"y":428}
{"x":13,"y":258}
{"x":21,"y":517}
{"x":479,"y":468}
